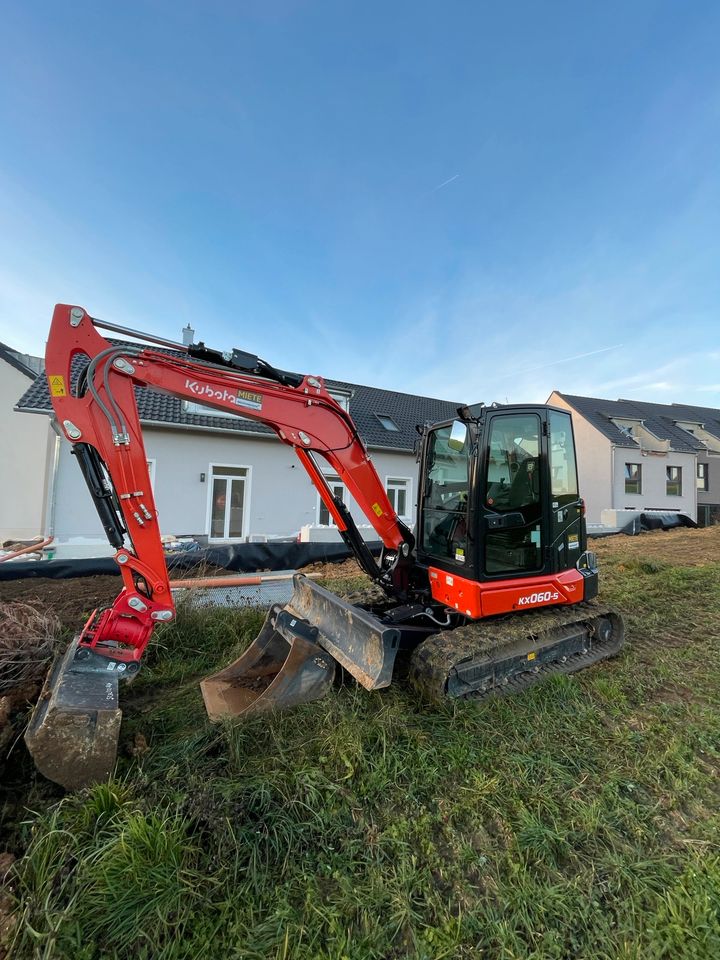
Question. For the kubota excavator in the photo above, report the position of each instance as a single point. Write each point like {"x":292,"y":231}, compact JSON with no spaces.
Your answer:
{"x":495,"y":589}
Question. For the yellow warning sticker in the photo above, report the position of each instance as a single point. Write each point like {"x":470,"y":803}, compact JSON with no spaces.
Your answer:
{"x":531,"y":656}
{"x":378,"y":509}
{"x":57,"y":386}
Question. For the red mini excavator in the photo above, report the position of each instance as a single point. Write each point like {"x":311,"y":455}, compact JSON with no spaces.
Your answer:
{"x":495,"y":589}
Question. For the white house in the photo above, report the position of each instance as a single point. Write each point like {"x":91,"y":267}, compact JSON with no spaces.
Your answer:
{"x":26,"y":447}
{"x":229,"y":479}
{"x":634,"y":455}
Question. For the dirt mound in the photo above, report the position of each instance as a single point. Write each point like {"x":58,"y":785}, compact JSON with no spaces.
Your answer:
{"x":343,"y":570}
{"x":682,"y":546}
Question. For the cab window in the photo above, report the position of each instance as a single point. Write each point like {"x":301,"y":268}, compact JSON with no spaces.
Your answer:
{"x":447,"y":477}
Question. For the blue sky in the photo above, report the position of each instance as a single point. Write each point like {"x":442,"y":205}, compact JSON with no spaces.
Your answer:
{"x":444,"y":198}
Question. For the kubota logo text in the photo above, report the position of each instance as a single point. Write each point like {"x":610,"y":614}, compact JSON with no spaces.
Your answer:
{"x":542,"y":596}
{"x":243,"y":398}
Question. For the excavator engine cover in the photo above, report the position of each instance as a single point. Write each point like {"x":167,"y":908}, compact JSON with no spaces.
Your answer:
{"x":292,"y":660}
{"x":73,"y":732}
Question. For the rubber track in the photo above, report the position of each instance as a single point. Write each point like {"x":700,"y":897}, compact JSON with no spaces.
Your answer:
{"x":434,"y":658}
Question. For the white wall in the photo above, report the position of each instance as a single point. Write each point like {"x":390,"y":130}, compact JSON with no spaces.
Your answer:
{"x":25,"y":441}
{"x":653,"y":495}
{"x":594,"y":462}
{"x":281,"y":496}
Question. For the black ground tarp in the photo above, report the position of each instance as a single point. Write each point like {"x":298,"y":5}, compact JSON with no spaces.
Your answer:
{"x":657,"y":520}
{"x":665,"y":520}
{"x":240,"y":558}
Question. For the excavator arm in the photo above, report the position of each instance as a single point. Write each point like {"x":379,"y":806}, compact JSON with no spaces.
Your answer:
{"x":73,"y":733}
{"x":92,"y":384}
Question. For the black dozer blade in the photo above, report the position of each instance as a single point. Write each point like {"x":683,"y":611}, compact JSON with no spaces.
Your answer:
{"x":73,"y":732}
{"x":288,"y":662}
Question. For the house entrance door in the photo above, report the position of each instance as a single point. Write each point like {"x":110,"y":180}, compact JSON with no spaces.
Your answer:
{"x":227,"y":511}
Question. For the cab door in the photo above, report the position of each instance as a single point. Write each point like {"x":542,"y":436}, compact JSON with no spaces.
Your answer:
{"x":445,"y":516}
{"x":513,"y":491}
{"x":567,"y":532}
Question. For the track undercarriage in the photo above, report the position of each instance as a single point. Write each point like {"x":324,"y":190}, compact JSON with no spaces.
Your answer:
{"x":509,"y":654}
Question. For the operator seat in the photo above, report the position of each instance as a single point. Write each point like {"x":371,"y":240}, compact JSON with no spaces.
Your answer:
{"x":525,"y":485}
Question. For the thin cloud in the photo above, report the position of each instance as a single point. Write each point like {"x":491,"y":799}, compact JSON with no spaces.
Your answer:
{"x":444,"y":183}
{"x":578,"y":356}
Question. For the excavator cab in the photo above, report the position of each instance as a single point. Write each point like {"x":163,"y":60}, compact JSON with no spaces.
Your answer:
{"x":499,"y":496}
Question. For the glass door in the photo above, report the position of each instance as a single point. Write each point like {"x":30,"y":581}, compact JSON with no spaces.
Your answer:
{"x":227,"y":510}
{"x":512,"y":496}
{"x":446,"y":487}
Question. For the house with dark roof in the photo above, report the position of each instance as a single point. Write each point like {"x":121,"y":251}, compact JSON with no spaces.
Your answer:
{"x":636,"y":455}
{"x":228,"y":478}
{"x":26,"y":447}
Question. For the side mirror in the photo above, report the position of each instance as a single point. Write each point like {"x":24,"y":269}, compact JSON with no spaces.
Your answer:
{"x":458,"y":436}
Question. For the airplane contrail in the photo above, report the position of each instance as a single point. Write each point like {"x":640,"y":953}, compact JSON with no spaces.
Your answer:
{"x":578,"y":356}
{"x":444,"y":183}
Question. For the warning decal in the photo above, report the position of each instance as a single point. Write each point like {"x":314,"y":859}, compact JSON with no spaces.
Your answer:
{"x":57,"y":386}
{"x":378,"y":509}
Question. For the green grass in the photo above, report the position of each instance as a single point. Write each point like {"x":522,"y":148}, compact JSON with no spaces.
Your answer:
{"x":580,"y":819}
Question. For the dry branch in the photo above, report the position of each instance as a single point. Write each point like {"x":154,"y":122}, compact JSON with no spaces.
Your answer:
{"x":27,"y":635}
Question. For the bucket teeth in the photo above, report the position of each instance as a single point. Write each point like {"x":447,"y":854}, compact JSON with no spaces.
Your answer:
{"x":283,"y":667}
{"x":73,"y":733}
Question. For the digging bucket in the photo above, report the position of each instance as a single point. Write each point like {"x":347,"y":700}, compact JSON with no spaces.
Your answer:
{"x":73,"y":732}
{"x":288,"y":663}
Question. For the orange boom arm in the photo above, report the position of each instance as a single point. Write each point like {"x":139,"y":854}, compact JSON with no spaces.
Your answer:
{"x":92,"y":385}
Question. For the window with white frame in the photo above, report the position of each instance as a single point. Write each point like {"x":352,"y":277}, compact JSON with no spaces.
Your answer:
{"x":398,"y":490}
{"x":228,"y":502}
{"x":151,"y":472}
{"x":703,"y":476}
{"x":337,"y":488}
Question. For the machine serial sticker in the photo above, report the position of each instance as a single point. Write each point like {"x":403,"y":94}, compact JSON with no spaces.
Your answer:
{"x":378,"y":509}
{"x":573,"y":541}
{"x":57,"y":386}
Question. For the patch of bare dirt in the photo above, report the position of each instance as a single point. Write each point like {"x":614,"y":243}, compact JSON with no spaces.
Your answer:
{"x":343,"y":570}
{"x":681,"y":547}
{"x":72,"y":601}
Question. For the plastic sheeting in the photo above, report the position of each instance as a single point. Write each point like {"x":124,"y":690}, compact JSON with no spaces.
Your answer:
{"x":239,"y":557}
